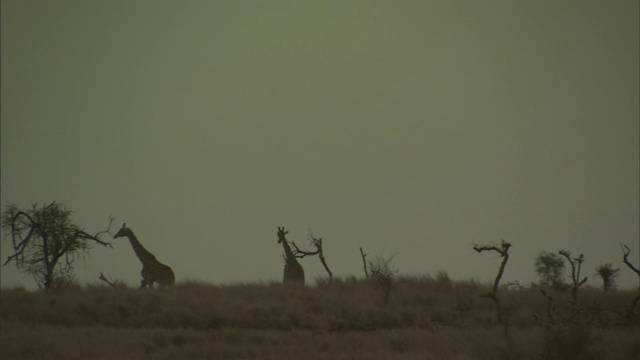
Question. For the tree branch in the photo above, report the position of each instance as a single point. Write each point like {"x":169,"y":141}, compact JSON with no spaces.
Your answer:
{"x":626,"y":251}
{"x":364,"y":261}
{"x":575,"y":273}
{"x":20,"y":247}
{"x":301,"y":253}
{"x":83,"y":235}
{"x":104,"y":278}
{"x":493,"y":295}
{"x":504,"y":253}
{"x":108,"y":231}
{"x":317,"y":243}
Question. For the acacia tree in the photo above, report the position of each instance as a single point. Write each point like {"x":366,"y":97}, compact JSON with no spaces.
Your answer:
{"x":46,"y":242}
{"x":549,"y":268}
{"x":608,"y":275}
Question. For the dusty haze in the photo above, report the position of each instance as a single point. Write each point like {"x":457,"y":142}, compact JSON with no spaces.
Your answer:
{"x":407,"y":128}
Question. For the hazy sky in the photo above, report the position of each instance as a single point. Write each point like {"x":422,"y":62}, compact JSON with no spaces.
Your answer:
{"x":410,"y":128}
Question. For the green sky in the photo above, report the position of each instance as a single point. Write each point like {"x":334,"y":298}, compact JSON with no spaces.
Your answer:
{"x":414,"y":128}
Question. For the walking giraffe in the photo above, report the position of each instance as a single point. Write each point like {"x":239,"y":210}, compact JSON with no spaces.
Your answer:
{"x":152,"y":269}
{"x":293,"y":272}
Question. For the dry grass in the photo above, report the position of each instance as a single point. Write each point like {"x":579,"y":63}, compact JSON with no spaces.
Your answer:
{"x":426,"y":318}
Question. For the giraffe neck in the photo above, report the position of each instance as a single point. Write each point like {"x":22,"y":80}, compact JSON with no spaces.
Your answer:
{"x":287,"y":251}
{"x":140,"y":251}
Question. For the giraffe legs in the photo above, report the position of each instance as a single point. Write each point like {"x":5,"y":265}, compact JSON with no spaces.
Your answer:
{"x":144,"y":283}
{"x":162,"y":275}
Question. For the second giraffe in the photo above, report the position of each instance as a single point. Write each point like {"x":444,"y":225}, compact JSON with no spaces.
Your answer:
{"x":293,"y":272}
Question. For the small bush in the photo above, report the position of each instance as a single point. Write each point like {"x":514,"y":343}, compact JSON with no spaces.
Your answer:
{"x":383,"y":274}
{"x":570,"y":342}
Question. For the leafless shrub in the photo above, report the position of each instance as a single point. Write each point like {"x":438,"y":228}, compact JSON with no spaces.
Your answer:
{"x":383,"y":273}
{"x":576,"y":266}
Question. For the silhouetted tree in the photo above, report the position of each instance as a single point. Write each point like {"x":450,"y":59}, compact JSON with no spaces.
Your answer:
{"x":625,"y":258}
{"x":46,"y":242}
{"x":383,"y":273}
{"x":576,"y":265}
{"x":317,"y":243}
{"x":608,"y":275}
{"x":364,"y":262}
{"x":549,"y":268}
{"x":503,"y":250}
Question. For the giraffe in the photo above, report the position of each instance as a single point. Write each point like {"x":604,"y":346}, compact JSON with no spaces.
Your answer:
{"x":293,"y":271}
{"x":152,"y":269}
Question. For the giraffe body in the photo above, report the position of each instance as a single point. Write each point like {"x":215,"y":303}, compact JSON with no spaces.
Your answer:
{"x":293,"y":271}
{"x":153,"y":271}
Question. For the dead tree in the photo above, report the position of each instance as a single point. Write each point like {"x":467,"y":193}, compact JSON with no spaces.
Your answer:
{"x":364,"y":261}
{"x":576,"y":265}
{"x":626,"y":251}
{"x":493,"y":295}
{"x":384,"y":275}
{"x":317,"y":243}
{"x":104,"y":278}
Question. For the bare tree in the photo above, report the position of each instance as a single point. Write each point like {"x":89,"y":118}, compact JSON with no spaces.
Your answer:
{"x":46,"y":242}
{"x":503,"y":250}
{"x":625,"y":258}
{"x":383,"y":273}
{"x":576,"y":265}
{"x":364,"y":262}
{"x":317,"y":243}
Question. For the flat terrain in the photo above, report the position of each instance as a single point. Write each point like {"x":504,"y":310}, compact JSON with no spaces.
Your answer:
{"x":425,"y":318}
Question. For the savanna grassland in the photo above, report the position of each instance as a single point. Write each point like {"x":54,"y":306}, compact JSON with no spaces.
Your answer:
{"x":425,"y":318}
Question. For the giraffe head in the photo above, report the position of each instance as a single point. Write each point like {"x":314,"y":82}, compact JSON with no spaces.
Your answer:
{"x":281,"y":234}
{"x":124,"y":231}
